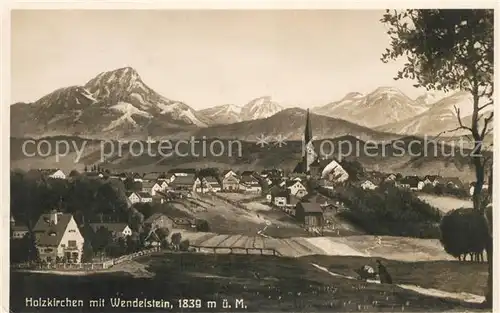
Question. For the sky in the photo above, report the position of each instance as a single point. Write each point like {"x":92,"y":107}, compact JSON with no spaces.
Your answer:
{"x":206,"y":58}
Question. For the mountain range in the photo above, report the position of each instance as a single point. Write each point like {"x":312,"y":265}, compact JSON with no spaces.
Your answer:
{"x":118,"y":104}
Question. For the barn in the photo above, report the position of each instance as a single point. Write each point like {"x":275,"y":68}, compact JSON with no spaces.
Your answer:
{"x":310,"y":214}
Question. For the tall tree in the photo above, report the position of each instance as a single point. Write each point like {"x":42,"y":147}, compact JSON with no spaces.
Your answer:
{"x":451,"y":50}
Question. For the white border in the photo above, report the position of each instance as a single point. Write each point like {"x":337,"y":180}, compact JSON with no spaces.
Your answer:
{"x":200,"y":4}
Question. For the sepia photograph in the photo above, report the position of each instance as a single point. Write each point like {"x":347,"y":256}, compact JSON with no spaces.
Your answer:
{"x":251,"y":160}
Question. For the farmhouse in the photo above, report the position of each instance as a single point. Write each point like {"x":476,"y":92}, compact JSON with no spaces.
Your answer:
{"x":57,"y":237}
{"x":213,"y":184}
{"x":310,"y":214}
{"x":229,"y":173}
{"x":158,"y":220}
{"x":118,"y":230}
{"x":151,"y":187}
{"x":183,"y":182}
{"x":230,"y":182}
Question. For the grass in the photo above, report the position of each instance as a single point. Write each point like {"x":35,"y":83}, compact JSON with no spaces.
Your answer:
{"x":451,"y":276}
{"x":281,"y":284}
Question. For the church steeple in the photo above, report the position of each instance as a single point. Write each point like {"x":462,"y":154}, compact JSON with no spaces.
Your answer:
{"x":309,"y":154}
{"x":308,"y":130}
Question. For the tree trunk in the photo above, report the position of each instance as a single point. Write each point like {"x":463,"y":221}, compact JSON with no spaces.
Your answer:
{"x":479,"y":166}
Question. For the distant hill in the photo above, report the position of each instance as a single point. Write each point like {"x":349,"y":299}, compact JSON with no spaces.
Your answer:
{"x":290,"y":124}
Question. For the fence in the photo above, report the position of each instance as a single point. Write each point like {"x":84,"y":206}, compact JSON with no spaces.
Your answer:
{"x":236,"y":250}
{"x":86,"y":266}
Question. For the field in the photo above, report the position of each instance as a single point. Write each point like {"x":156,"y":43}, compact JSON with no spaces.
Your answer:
{"x":395,"y":248}
{"x":444,"y":203}
{"x":265,"y":283}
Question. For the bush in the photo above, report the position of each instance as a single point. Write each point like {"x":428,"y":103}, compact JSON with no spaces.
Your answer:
{"x":202,"y":225}
{"x":176,"y":240}
{"x":184,"y":245}
{"x":464,"y":231}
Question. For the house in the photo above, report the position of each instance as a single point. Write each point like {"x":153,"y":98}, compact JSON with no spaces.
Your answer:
{"x":151,"y":177}
{"x":334,"y":172}
{"x":297,"y":176}
{"x":121,"y":176}
{"x":213,"y":184}
{"x":19,"y":231}
{"x":310,"y":214}
{"x":292,"y":203}
{"x":183,"y":182}
{"x":133,"y":197}
{"x":327,"y":184}
{"x":135,"y":177}
{"x":318,"y":198}
{"x":163,"y":184}
{"x":151,"y":187}
{"x":410,"y":182}
{"x":295,"y":186}
{"x":230,"y":182}
{"x":300,"y":193}
{"x":271,"y":192}
{"x":390,"y":177}
{"x":280,"y":198}
{"x":57,"y":237}
{"x":453,"y":182}
{"x":367,"y":184}
{"x":250,"y":183}
{"x":248,"y":173}
{"x":145,"y":197}
{"x":316,"y":167}
{"x":431,"y":180}
{"x":174,"y":173}
{"x":473,"y":185}
{"x":53,"y":173}
{"x":158,"y":220}
{"x":229,"y":173}
{"x":160,"y":197}
{"x":95,"y":175}
{"x":118,"y":230}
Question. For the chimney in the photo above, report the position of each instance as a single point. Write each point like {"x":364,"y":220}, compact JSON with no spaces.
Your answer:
{"x":53,"y":217}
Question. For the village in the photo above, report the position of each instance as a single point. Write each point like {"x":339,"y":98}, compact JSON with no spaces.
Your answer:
{"x":59,"y":239}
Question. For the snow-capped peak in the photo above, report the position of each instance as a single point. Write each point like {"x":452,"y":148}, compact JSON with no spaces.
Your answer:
{"x":428,"y":98}
{"x":258,"y":108}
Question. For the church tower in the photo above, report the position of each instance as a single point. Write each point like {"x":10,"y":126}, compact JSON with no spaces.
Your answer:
{"x":309,"y":155}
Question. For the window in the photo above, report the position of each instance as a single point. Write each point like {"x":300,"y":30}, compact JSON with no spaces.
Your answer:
{"x":72,"y":231}
{"x":72,"y":243}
